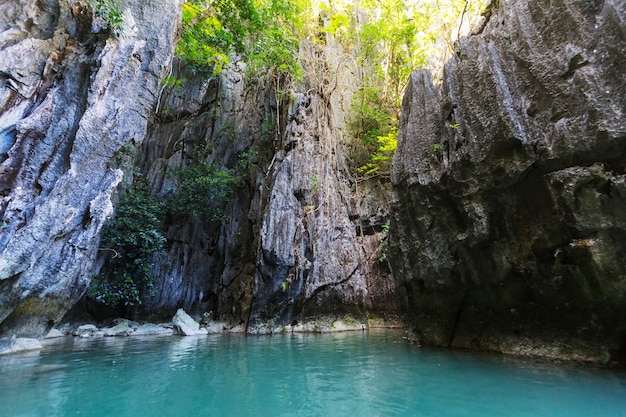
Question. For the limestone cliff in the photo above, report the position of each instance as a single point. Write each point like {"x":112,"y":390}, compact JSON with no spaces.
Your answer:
{"x":81,"y":104}
{"x":71,"y":96}
{"x":509,"y":202}
{"x":300,"y":238}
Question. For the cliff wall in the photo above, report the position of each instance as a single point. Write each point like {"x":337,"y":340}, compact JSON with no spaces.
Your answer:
{"x":84,"y":113}
{"x":71,"y":96}
{"x":508,"y":224}
{"x":300,"y":238}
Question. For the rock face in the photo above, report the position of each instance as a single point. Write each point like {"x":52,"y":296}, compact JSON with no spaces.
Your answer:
{"x":508,"y":224}
{"x":71,"y":97}
{"x":315,"y":256}
{"x":208,"y":265}
{"x":300,"y":237}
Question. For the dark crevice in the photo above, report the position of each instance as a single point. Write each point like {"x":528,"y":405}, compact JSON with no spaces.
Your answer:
{"x":457,"y":317}
{"x":576,"y":62}
{"x":325,"y":287}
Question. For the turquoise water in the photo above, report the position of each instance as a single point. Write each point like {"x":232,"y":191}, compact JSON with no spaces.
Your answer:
{"x":347,"y":374}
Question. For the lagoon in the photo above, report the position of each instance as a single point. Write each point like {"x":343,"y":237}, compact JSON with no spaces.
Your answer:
{"x":375,"y":373}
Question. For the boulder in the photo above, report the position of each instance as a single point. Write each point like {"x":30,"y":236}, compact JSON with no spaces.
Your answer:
{"x":185,"y":325}
{"x":86,"y":330}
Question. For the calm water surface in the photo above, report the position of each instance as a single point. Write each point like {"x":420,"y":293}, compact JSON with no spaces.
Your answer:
{"x":348,"y":374}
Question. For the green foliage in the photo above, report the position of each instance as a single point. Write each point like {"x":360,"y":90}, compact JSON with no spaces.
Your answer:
{"x":315,"y":183}
{"x":261,"y":30}
{"x":370,"y":116}
{"x":380,"y":160}
{"x":203,"y":187}
{"x":174,"y":82}
{"x":133,"y":236}
{"x":201,"y":191}
{"x":111,"y":12}
{"x":389,"y":39}
{"x":276,"y":50}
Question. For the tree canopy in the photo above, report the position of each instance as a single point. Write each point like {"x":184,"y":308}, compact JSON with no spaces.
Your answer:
{"x":386,"y":38}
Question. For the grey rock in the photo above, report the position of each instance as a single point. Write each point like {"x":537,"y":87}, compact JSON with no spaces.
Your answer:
{"x":508,"y":223}
{"x":86,"y":330}
{"x":122,"y":328}
{"x":298,"y":216}
{"x":185,"y":325}
{"x":129,"y":323}
{"x":20,"y":344}
{"x":81,"y":98}
{"x":150,"y":329}
{"x":54,"y":334}
{"x":215,"y":327}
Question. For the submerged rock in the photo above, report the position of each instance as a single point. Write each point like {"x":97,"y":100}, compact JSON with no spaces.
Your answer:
{"x":508,"y":224}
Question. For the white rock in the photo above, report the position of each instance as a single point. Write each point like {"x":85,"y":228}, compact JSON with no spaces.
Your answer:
{"x":20,"y":344}
{"x":150,"y":329}
{"x":215,"y":327}
{"x":185,"y":325}
{"x":54,"y":333}
{"x":86,"y":330}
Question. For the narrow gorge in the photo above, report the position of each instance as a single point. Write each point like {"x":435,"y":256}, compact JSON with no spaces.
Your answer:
{"x":502,"y":226}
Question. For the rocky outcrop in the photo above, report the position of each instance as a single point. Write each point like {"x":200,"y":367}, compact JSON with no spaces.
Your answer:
{"x":315,"y":255}
{"x":300,"y":237}
{"x":508,"y":229}
{"x":208,"y":266}
{"x":72,"y":95}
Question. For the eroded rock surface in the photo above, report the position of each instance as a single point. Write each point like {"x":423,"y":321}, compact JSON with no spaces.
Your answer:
{"x":299,"y":237}
{"x":509,"y":212}
{"x":71,"y":96}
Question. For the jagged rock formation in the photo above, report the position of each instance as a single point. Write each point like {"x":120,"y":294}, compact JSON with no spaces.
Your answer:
{"x":300,"y":238}
{"x":71,"y":97}
{"x":208,"y":265}
{"x":509,"y":211}
{"x":315,"y":257}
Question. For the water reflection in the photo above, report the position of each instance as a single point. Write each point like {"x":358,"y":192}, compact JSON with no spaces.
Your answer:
{"x":360,"y":374}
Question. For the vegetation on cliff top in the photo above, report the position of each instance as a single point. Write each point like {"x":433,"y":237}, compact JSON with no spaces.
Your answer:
{"x":386,"y":39}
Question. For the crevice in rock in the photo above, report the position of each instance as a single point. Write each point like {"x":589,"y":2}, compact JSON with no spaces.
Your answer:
{"x":457,"y":317}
